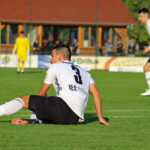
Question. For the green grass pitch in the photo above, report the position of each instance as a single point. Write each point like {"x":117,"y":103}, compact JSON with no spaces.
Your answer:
{"x":126,"y":110}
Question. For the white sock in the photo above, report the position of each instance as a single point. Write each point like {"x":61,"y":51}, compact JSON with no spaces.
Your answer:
{"x":11,"y":107}
{"x":147,"y":76}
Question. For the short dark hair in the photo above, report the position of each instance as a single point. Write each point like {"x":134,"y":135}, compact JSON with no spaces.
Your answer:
{"x":143,"y":10}
{"x":22,"y":32}
{"x":64,"y":50}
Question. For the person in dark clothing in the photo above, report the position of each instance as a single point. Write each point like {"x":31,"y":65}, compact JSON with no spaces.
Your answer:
{"x":75,"y":47}
{"x":119,"y":49}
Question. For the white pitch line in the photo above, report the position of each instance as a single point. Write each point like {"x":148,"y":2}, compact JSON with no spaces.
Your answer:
{"x":22,"y":79}
{"x":129,"y":117}
{"x":114,"y":117}
{"x":111,"y":110}
{"x":126,"y":110}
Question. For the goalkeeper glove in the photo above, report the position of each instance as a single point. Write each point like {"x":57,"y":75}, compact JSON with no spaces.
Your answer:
{"x":28,"y":52}
{"x":13,"y":52}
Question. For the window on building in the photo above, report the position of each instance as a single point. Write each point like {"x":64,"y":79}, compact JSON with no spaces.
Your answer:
{"x":3,"y":33}
{"x":47,"y":33}
{"x":93,"y":36}
{"x":13,"y":33}
{"x":89,"y":36}
{"x":63,"y":34}
{"x":73,"y":33}
{"x":66,"y":34}
{"x":116,"y":36}
{"x":30,"y":32}
{"x":86,"y":37}
{"x":47,"y":36}
{"x":105,"y":35}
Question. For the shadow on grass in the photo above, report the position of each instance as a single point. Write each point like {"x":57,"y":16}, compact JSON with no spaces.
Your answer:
{"x":91,"y":117}
{"x":6,"y":121}
{"x":28,"y":72}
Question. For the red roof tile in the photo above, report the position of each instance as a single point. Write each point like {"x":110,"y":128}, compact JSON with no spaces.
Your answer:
{"x":109,"y":12}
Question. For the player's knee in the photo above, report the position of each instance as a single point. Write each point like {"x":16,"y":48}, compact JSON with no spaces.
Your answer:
{"x":147,"y":68}
{"x":25,"y":99}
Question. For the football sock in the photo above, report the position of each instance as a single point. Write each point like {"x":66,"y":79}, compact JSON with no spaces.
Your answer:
{"x":147,"y":76}
{"x":22,"y":67}
{"x":11,"y":107}
{"x":18,"y":67}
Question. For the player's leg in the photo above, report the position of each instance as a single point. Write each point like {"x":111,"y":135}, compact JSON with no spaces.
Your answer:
{"x":18,"y":66}
{"x":14,"y":105}
{"x":23,"y":59}
{"x":147,"y":76}
{"x":22,"y":68}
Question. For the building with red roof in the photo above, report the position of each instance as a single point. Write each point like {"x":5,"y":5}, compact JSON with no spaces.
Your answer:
{"x":88,"y":21}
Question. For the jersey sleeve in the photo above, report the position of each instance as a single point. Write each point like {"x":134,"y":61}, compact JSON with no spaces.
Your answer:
{"x":50,"y":76}
{"x":148,"y":27}
{"x":16,"y":44}
{"x":148,"y":30}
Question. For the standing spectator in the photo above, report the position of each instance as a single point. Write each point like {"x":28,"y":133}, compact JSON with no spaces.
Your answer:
{"x":36,"y":47}
{"x":132,"y":50}
{"x":50,"y":41}
{"x":45,"y":47}
{"x":119,"y":49}
{"x":98,"y":50}
{"x":74,"y":47}
{"x":108,"y":48}
{"x":22,"y":48}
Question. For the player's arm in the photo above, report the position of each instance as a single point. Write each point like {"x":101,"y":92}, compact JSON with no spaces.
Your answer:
{"x":146,"y":49}
{"x":44,"y":89}
{"x":97,"y":101}
{"x":15,"y":47}
{"x":50,"y":77}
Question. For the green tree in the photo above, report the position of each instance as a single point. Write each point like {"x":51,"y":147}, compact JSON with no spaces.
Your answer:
{"x":138,"y":32}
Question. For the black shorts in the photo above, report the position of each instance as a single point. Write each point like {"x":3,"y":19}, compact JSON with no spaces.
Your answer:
{"x":148,"y":60}
{"x":52,"y":110}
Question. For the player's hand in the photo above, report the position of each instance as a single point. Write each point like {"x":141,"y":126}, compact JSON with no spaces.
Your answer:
{"x":28,"y":53}
{"x":103,"y":121}
{"x":13,"y":52}
{"x":146,"y":49}
{"x":18,"y":121}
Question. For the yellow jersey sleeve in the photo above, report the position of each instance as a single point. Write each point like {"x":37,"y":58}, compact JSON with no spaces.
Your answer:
{"x":16,"y":44}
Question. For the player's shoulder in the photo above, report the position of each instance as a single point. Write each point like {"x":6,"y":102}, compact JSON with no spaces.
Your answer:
{"x":148,"y":23}
{"x":25,"y":38}
{"x":55,"y":66}
{"x":18,"y":38}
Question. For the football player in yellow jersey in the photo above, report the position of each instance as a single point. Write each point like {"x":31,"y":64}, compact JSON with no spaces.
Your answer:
{"x":21,"y":47}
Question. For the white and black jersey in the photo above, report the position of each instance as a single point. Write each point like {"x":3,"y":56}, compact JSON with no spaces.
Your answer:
{"x":148,"y":26}
{"x":71,"y":84}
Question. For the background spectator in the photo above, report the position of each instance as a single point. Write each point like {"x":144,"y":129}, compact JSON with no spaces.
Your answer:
{"x":132,"y":49}
{"x":98,"y":50}
{"x":74,"y":47}
{"x":119,"y":50}
{"x":45,"y":47}
{"x":108,"y":48}
{"x":36,"y":47}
